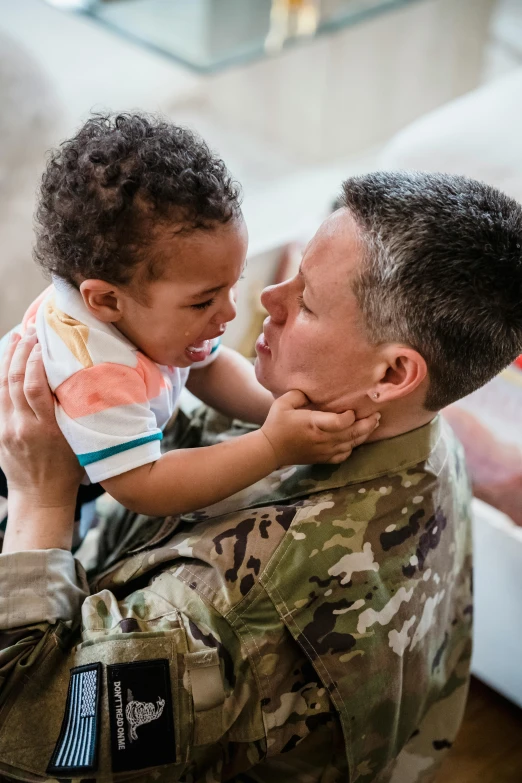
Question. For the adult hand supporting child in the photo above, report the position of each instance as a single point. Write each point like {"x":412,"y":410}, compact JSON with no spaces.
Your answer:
{"x":42,"y":471}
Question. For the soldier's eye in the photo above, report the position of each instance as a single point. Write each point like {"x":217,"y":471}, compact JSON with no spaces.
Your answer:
{"x":302,"y":305}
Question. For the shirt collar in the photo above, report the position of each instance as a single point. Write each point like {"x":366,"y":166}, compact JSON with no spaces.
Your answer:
{"x":69,"y":300}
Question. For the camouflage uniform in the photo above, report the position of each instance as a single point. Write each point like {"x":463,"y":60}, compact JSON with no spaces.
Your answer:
{"x":315,"y":628}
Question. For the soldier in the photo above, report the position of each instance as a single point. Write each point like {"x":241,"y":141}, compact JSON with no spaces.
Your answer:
{"x":317,"y":626}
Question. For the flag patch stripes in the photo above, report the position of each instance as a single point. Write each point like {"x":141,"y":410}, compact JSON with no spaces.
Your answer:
{"x":77,"y":746}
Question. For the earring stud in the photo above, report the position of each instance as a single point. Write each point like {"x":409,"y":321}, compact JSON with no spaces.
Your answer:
{"x":375,"y":395}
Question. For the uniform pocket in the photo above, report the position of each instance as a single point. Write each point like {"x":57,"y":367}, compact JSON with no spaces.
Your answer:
{"x":144,"y":712}
{"x":145,"y":704}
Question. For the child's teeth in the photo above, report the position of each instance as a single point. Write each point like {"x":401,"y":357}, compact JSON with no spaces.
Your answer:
{"x":198,"y":346}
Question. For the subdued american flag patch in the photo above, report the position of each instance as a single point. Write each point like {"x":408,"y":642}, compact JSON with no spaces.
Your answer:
{"x":77,"y":746}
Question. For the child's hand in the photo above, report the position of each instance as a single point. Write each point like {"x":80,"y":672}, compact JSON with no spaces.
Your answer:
{"x":301,"y":437}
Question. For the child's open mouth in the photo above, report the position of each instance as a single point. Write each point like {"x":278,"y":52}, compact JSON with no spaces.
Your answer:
{"x":198,"y":351}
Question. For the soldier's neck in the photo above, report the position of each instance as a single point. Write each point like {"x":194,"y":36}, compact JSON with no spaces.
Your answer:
{"x":397,"y":416}
{"x":397,"y":421}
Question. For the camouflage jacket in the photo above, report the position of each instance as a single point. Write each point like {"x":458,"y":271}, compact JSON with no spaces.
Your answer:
{"x":313,"y":628}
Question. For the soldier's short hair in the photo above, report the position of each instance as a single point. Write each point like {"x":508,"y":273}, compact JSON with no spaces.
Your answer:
{"x":442,"y":273}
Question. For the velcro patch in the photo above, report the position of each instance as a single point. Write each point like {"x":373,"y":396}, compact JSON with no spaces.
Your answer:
{"x":205,"y":678}
{"x":77,"y":746}
{"x":141,"y":717}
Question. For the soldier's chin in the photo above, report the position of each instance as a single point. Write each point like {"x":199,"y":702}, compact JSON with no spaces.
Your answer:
{"x":266,"y":381}
{"x":258,"y":369}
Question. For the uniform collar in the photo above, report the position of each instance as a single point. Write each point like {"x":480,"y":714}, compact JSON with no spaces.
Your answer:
{"x":367,"y":462}
{"x":391,"y":455}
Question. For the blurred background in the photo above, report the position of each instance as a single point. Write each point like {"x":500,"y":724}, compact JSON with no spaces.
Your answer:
{"x":296,"y":95}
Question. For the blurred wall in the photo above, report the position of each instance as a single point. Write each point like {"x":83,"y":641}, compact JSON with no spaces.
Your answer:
{"x":29,"y":114}
{"x":55,"y":68}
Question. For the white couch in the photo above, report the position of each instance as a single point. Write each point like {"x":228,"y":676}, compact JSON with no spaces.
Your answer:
{"x":480,"y":135}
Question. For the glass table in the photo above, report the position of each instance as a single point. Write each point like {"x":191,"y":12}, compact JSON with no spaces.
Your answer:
{"x":208,"y":35}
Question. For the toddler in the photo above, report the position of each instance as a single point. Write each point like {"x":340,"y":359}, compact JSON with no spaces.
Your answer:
{"x":140,"y":227}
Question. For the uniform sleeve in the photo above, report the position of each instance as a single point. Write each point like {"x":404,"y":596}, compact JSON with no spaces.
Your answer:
{"x":40,"y":586}
{"x":156,"y":680}
{"x":105,"y":414}
{"x":41,"y":593}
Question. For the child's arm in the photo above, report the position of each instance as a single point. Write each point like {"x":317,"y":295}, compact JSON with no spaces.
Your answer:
{"x":184,"y":480}
{"x":230,"y":386}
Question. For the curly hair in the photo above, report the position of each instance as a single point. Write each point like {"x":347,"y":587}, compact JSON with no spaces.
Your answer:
{"x":104,"y":190}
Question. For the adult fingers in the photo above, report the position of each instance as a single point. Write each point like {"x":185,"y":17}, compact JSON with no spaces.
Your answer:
{"x":5,"y":362}
{"x":17,"y":369}
{"x":36,"y":387}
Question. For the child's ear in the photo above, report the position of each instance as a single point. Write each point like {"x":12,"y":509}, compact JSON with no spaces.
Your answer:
{"x":102,"y":299}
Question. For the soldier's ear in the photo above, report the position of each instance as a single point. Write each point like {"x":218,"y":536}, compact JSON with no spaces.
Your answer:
{"x":401,"y":371}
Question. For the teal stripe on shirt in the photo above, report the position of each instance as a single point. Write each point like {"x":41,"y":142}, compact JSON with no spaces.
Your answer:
{"x":96,"y":456}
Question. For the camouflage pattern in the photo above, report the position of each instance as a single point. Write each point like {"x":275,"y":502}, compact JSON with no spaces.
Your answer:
{"x":337,"y":598}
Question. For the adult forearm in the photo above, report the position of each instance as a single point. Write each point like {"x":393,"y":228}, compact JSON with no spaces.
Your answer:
{"x":32,"y":525}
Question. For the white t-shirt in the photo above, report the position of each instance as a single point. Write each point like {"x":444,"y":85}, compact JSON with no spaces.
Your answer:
{"x":112,"y":401}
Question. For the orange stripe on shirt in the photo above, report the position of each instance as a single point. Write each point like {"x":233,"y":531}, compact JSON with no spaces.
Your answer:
{"x":151,"y":374}
{"x":98,"y":388}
